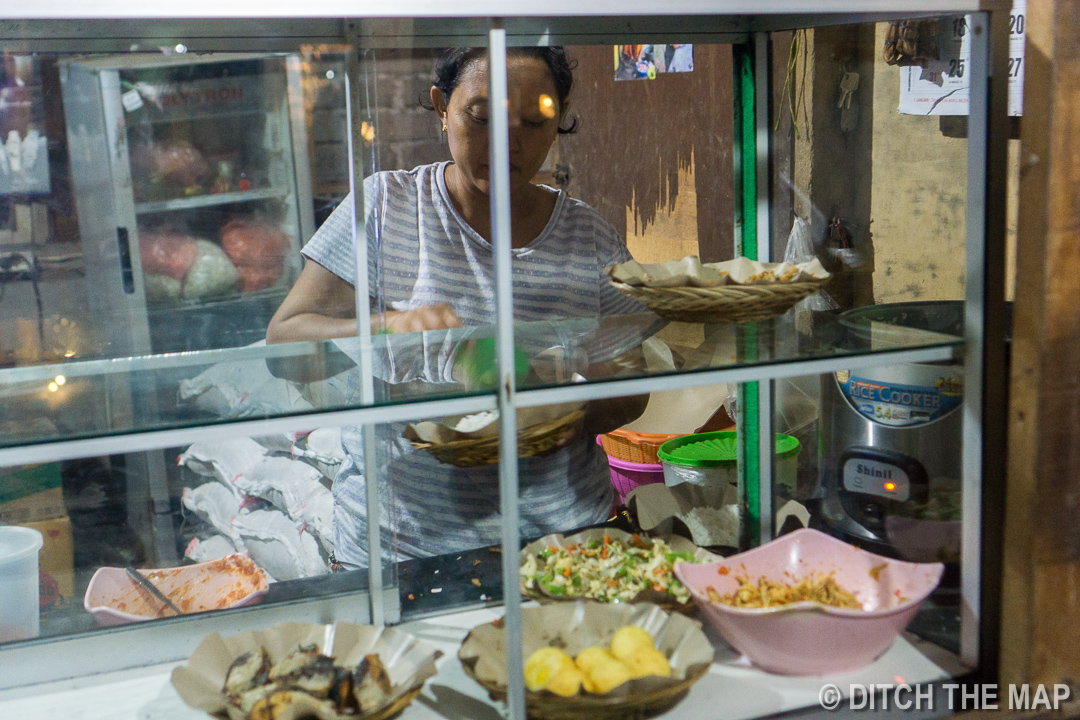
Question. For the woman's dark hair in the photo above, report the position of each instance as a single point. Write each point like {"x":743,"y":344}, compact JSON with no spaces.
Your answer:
{"x":452,"y":61}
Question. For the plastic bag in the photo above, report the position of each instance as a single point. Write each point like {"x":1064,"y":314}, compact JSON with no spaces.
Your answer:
{"x":211,"y":274}
{"x":223,"y":461}
{"x":244,"y":388}
{"x":168,"y":254}
{"x":296,"y":488}
{"x":800,"y":248}
{"x":212,"y":548}
{"x":275,"y":545}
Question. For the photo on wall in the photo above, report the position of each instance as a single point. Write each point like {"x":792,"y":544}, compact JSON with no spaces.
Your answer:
{"x":645,"y":62}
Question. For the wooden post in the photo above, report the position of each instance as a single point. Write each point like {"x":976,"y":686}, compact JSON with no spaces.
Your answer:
{"x":1040,"y":627}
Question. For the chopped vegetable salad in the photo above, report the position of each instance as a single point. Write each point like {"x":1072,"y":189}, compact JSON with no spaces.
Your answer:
{"x":606,"y":570}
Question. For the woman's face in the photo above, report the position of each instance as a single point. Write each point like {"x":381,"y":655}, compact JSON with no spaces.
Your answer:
{"x":534,"y":120}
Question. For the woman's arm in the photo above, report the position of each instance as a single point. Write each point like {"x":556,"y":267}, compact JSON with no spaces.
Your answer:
{"x":603,"y":416}
{"x":322,"y":306}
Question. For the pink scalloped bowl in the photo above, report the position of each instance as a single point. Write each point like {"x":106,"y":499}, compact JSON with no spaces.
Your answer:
{"x":113,"y":598}
{"x":809,"y":638}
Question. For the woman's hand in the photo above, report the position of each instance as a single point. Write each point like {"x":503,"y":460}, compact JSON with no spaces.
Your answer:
{"x":428,"y":317}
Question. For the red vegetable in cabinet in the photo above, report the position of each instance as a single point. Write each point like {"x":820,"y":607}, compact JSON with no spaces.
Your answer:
{"x":177,"y":161}
{"x":257,"y":249}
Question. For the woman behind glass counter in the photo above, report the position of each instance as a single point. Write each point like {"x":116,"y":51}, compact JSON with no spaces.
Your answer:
{"x":432,"y":228}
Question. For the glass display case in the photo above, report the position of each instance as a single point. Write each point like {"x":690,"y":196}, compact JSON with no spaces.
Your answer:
{"x":405,"y":430}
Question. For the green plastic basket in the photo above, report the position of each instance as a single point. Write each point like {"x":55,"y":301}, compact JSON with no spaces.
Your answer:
{"x":715,"y":449}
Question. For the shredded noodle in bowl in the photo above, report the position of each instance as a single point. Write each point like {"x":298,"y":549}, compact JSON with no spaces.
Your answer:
{"x":815,"y":587}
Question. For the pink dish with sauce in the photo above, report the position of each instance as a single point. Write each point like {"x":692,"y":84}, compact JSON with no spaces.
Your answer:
{"x":810,"y":638}
{"x":113,"y":598}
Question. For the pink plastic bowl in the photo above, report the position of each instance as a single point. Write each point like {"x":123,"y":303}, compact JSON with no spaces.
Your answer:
{"x":626,"y":476}
{"x":809,"y":638}
{"x":113,"y":598}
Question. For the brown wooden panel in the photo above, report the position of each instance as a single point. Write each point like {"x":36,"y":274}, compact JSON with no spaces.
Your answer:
{"x":1040,"y":629}
{"x":634,"y":136}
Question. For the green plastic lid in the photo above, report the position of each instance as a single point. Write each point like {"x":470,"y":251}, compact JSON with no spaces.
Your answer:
{"x":715,"y":449}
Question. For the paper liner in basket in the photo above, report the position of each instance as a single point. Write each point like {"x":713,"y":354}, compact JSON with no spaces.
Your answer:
{"x":575,"y":626}
{"x":409,"y":662}
{"x":679,"y":511}
{"x":677,"y":544}
{"x":691,"y":272}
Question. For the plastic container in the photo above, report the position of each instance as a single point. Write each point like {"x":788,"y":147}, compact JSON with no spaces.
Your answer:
{"x":19,"y":548}
{"x":635,"y":447}
{"x":709,"y":461}
{"x":626,"y":476}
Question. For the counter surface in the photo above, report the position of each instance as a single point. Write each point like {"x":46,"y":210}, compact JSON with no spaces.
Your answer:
{"x":731,"y":690}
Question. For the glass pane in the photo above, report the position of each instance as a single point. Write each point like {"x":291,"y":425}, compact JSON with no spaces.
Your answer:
{"x":259,"y":509}
{"x":877,"y":463}
{"x":870,"y":159}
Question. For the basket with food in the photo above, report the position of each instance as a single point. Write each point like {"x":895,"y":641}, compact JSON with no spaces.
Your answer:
{"x":809,"y":604}
{"x":738,"y":290}
{"x":295,"y":670}
{"x":593,"y":661}
{"x":610,"y":566}
{"x":473,"y":440}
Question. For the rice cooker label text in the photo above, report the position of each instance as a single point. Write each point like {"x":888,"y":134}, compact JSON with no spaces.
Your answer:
{"x":872,"y":477}
{"x":902,"y":405}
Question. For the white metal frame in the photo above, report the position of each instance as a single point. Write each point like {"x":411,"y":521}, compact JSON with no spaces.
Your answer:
{"x":37,"y":660}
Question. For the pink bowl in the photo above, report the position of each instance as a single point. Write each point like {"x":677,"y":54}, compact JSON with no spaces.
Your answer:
{"x":809,"y":638}
{"x":113,"y":598}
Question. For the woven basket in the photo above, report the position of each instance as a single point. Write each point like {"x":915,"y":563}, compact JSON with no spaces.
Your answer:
{"x":534,"y":440}
{"x":733,"y":303}
{"x":634,"y":447}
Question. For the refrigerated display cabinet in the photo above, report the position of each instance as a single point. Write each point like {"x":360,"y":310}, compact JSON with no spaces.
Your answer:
{"x":193,"y":211}
{"x":756,"y":354}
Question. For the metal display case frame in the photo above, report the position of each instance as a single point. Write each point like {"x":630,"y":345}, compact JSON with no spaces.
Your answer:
{"x":208,"y":26}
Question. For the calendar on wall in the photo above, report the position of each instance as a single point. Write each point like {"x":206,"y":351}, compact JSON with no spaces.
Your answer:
{"x":941,"y":88}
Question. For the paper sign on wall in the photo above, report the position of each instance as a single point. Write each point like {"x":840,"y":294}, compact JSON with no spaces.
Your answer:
{"x":941,"y":88}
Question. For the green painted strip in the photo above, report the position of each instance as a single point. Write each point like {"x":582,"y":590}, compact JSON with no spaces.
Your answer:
{"x":746,"y":227}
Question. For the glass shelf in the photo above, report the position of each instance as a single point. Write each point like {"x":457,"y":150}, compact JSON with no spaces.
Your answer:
{"x":95,"y":398}
{"x":205,"y":201}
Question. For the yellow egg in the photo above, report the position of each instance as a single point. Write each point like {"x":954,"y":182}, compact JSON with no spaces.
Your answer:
{"x":605,"y":676}
{"x":590,"y":656}
{"x":648,"y":661}
{"x":629,"y":639}
{"x":566,"y":681}
{"x":543,"y":664}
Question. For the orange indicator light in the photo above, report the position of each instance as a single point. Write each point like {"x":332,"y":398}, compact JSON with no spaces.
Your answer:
{"x":890,"y":486}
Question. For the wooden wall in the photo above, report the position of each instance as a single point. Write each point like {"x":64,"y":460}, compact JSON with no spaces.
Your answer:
{"x":654,"y":156}
{"x":1040,"y":630}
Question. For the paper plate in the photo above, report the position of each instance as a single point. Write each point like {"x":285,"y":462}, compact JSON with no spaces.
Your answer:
{"x":409,"y":663}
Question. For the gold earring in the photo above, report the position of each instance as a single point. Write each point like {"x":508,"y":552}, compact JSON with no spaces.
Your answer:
{"x":444,"y":126}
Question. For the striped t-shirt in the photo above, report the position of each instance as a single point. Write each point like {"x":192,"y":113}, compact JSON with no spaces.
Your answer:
{"x":421,"y":252}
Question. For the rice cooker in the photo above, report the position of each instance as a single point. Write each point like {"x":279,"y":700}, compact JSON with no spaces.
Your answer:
{"x":890,"y":444}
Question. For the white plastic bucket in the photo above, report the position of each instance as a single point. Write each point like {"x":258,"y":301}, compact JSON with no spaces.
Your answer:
{"x":19,"y":548}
